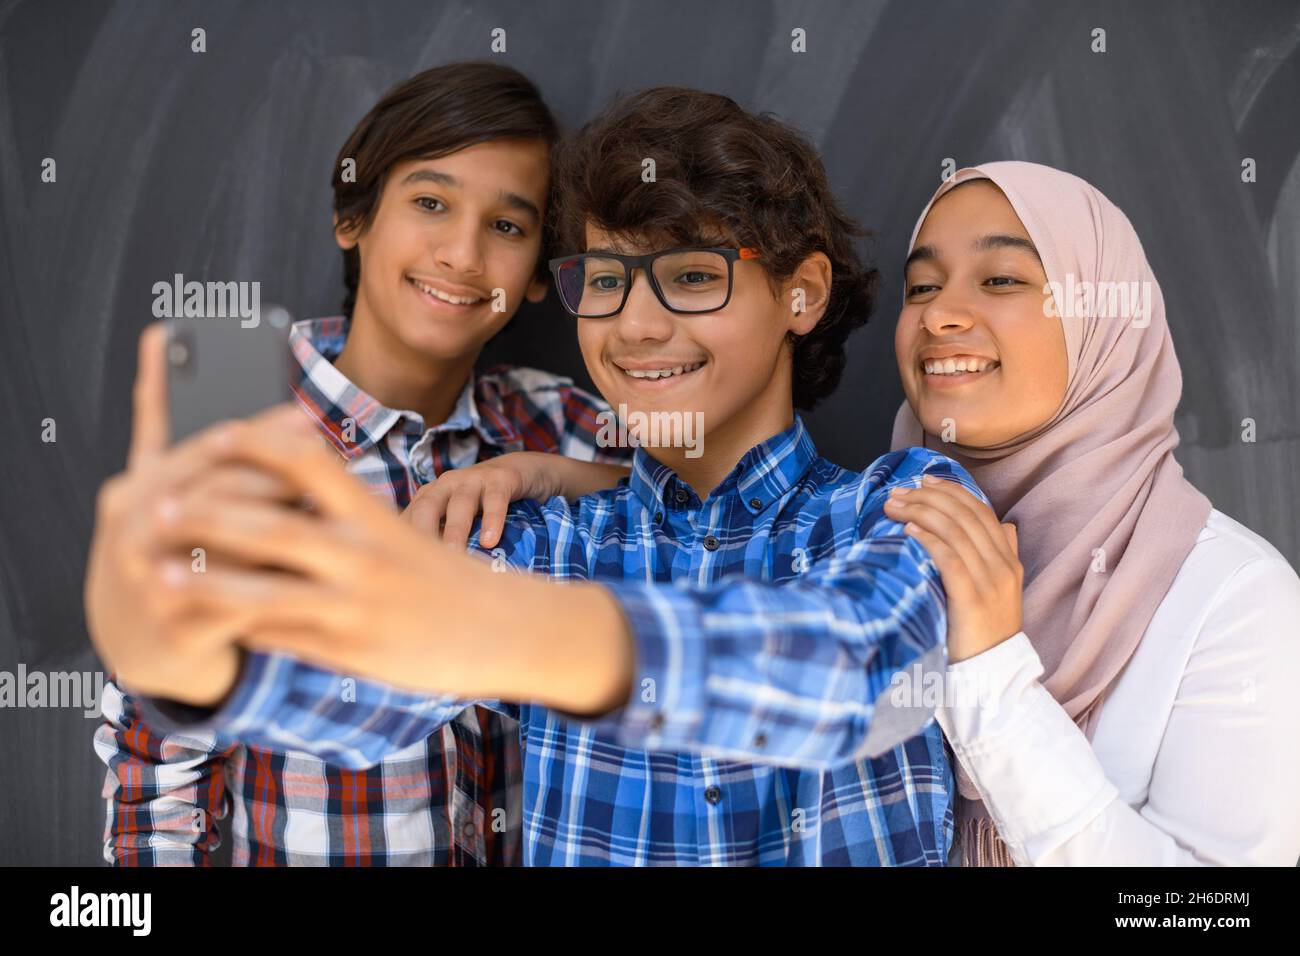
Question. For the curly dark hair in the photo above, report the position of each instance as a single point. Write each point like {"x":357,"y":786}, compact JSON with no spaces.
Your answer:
{"x":719,"y":171}
{"x":431,"y":114}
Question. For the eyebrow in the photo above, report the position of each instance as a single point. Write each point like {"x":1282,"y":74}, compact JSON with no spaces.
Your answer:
{"x":622,"y":250}
{"x":513,"y":200}
{"x":1001,"y":241}
{"x":920,"y":254}
{"x":982,"y":244}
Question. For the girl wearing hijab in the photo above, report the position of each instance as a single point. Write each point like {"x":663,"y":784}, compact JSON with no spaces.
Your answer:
{"x":1123,"y":685}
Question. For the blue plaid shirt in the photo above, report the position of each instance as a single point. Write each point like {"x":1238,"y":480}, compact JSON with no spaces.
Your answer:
{"x":761,"y":729}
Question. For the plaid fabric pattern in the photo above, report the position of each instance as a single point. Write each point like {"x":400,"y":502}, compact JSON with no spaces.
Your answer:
{"x":451,"y":799}
{"x":763,"y":727}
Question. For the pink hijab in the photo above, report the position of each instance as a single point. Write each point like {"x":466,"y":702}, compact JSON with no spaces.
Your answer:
{"x":1099,"y":474}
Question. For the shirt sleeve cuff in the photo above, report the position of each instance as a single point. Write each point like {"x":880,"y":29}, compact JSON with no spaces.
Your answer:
{"x":1034,"y":768}
{"x":256,"y":684}
{"x":978,"y":690}
{"x":665,"y":708}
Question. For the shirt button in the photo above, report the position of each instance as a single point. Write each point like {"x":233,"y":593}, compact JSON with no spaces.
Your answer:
{"x":713,"y":795}
{"x":755,"y":502}
{"x":710,"y":543}
{"x":468,"y":829}
{"x":760,"y":741}
{"x":659,"y":516}
{"x":657,"y":722}
{"x":681,"y":496}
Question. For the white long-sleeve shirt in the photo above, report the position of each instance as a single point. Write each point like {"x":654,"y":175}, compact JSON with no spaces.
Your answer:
{"x":1196,"y":756}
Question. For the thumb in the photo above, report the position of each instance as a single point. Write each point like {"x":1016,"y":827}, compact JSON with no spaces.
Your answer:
{"x":150,"y":425}
{"x":1010,"y":531}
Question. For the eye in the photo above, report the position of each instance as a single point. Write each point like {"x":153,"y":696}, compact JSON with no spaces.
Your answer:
{"x":696,"y":277}
{"x":507,"y":228}
{"x":605,"y":283}
{"x":920,"y":289}
{"x":421,"y":200}
{"x":1002,"y":281}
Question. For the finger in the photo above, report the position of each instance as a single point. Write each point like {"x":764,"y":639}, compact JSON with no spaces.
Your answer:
{"x":163,"y":478}
{"x":1013,"y":539}
{"x":962,"y":508}
{"x":913,"y":509}
{"x":962,"y":496}
{"x":425,"y":509}
{"x":149,"y":420}
{"x":958,"y":583}
{"x":214,"y":444}
{"x":254,"y":533}
{"x":439,"y":495}
{"x":289,"y":416}
{"x":496,"y":503}
{"x":422,"y":513}
{"x":284,"y":443}
{"x":240,"y":481}
{"x":462,"y":508}
{"x":241,"y":597}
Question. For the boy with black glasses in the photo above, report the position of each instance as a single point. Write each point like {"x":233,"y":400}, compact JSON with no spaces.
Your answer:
{"x":710,"y":681}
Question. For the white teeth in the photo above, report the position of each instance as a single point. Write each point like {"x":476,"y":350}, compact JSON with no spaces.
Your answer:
{"x":653,"y":373}
{"x":444,"y":296}
{"x":956,"y":366}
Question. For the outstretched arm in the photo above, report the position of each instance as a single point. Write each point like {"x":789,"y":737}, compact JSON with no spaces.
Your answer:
{"x":788,"y":672}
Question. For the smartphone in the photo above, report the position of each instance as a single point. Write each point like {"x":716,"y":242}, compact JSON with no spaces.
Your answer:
{"x":218,"y":368}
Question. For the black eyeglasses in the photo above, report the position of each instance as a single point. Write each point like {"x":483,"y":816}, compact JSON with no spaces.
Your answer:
{"x":595,"y":285}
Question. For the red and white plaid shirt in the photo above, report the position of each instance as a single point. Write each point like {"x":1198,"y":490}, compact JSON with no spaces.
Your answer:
{"x":452,"y":799}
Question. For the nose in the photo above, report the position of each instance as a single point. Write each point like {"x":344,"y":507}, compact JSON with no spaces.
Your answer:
{"x":457,"y":247}
{"x":643,"y":318}
{"x":946,"y":314}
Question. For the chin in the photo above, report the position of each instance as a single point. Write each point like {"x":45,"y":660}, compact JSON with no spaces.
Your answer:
{"x":934,"y":422}
{"x":631,"y":408}
{"x":963,"y":435}
{"x":442,"y":341}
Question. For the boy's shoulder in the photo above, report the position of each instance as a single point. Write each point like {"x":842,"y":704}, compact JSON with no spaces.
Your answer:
{"x":901,"y":468}
{"x":907,"y":466}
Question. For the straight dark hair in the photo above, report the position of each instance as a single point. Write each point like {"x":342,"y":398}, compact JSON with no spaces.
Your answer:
{"x":432,"y":114}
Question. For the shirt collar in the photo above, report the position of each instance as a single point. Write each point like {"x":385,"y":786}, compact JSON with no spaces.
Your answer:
{"x":762,"y":476}
{"x":354,"y":420}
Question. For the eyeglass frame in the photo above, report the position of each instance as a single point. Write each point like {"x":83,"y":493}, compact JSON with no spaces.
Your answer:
{"x":646,"y":264}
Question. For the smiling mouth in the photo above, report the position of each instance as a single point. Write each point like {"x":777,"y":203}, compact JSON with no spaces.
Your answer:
{"x":446,"y":297}
{"x":957,"y":367}
{"x":668,"y":371}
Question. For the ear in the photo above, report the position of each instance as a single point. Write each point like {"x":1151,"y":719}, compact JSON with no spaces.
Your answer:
{"x":346,"y":238}
{"x":810,"y":286}
{"x":536,"y":291}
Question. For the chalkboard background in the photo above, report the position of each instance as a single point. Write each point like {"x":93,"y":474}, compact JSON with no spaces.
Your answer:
{"x":216,"y":165}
